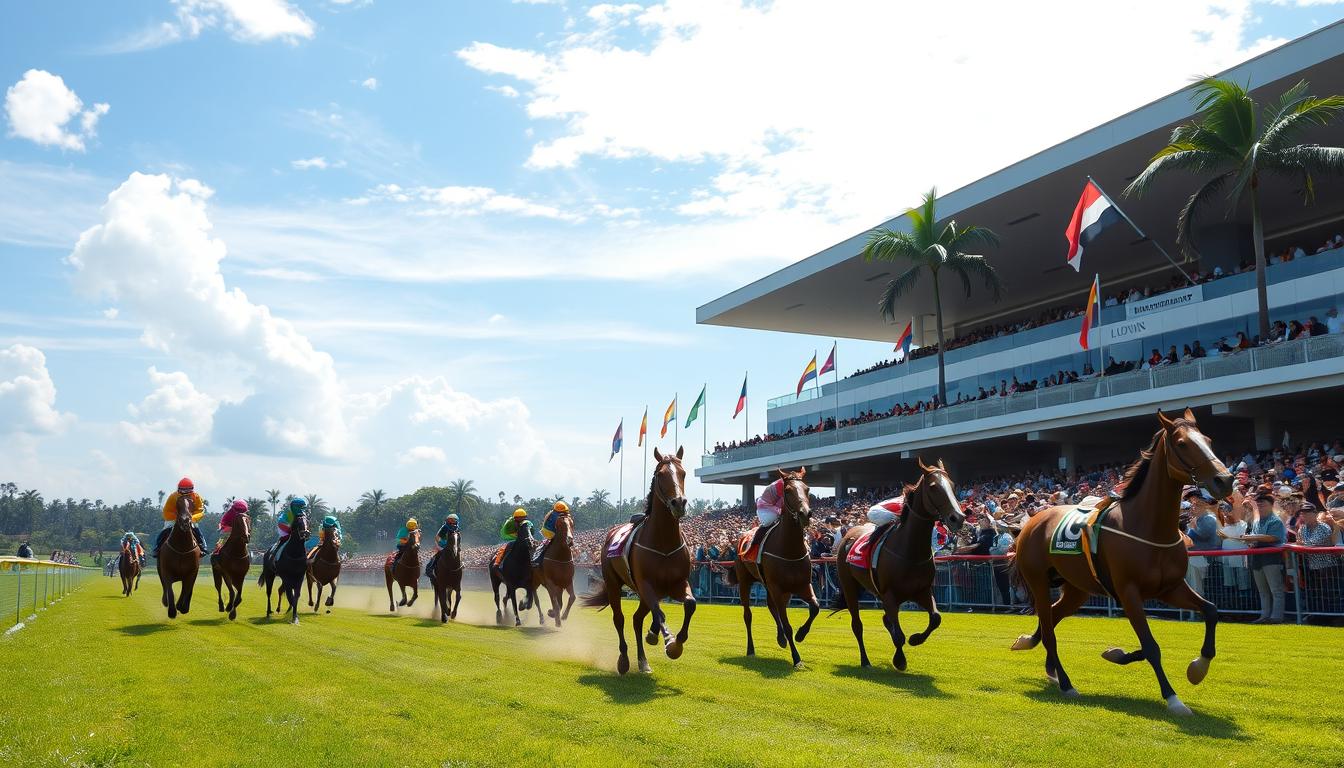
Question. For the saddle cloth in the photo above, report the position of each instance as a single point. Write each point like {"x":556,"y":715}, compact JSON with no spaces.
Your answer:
{"x":1067,"y":538}
{"x":618,"y":551}
{"x":752,"y":554}
{"x":865,"y":551}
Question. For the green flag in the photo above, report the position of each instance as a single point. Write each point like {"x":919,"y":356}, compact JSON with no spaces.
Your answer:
{"x":695,"y":409}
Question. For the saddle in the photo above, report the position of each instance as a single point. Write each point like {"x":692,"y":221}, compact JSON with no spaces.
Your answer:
{"x":867,"y":548}
{"x":751,"y":555}
{"x":1078,"y":532}
{"x":618,"y":551}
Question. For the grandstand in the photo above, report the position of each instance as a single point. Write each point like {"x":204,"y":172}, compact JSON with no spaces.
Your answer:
{"x":1078,"y":418}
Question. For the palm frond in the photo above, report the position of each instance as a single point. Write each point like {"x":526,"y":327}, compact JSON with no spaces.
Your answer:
{"x":1176,"y":157}
{"x":897,"y":288}
{"x":1228,"y":111}
{"x":890,"y":245}
{"x":923,"y":219}
{"x":1306,"y":113}
{"x":1246,"y":173}
{"x":972,"y":238}
{"x":1185,"y":220}
{"x":1196,"y":136}
{"x":1304,"y":161}
{"x":969,"y":266}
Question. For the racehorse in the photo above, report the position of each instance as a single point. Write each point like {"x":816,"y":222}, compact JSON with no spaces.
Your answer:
{"x":1140,"y":555}
{"x":290,"y":564}
{"x":904,"y":564}
{"x":447,"y":578}
{"x":659,"y":566}
{"x":324,"y":569}
{"x":515,"y":573}
{"x":179,"y":560}
{"x":128,"y":565}
{"x":555,"y":572}
{"x":785,"y":568}
{"x":230,"y":565}
{"x":406,"y":574}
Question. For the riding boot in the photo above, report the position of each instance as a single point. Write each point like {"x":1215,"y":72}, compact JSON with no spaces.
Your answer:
{"x":637,"y":518}
{"x":158,"y":542}
{"x":429,"y":567}
{"x":200,"y":540}
{"x":759,"y":534}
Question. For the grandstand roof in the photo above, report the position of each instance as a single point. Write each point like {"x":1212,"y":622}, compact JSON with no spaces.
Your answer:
{"x":1029,"y":203}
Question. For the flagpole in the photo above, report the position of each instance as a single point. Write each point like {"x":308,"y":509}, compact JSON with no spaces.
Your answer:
{"x":645,"y":465}
{"x":835,"y":350}
{"x":676,"y":419}
{"x":704,"y":425}
{"x":1131,"y":223}
{"x":620,"y":483}
{"x":746,"y":411}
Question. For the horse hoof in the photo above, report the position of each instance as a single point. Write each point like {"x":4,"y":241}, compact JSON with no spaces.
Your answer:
{"x":233,"y":615}
{"x":917,"y":639}
{"x":650,"y":639}
{"x":645,"y":668}
{"x":866,"y":664}
{"x":623,"y":665}
{"x":1114,"y":655}
{"x":899,"y":663}
{"x":798,"y":665}
{"x":1024,"y":643}
{"x":328,"y":610}
{"x":1070,"y":693}
{"x":801,"y":636}
{"x":1052,"y":676}
{"x":1197,"y":670}
{"x":674,"y":649}
{"x":1176,"y":707}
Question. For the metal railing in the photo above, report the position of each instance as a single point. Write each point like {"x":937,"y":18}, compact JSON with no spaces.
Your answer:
{"x":1286,"y":353}
{"x":28,"y":586}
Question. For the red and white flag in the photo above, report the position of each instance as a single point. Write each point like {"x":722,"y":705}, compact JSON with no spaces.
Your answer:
{"x":1093,"y":214}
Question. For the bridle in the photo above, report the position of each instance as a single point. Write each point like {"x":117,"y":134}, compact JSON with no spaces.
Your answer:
{"x":1186,"y":469}
{"x":657,"y":487}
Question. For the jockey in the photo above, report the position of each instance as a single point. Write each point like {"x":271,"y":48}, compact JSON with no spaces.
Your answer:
{"x":131,"y":543}
{"x":884,"y":513}
{"x":448,"y":528}
{"x":330,"y":527}
{"x":404,"y":538}
{"x":283,"y":521}
{"x":768,"y":508}
{"x":509,"y":532}
{"x":237,"y":508}
{"x":186,"y":491}
{"x":548,"y":525}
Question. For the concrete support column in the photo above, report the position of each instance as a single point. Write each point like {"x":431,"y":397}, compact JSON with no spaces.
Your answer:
{"x":1264,"y":433}
{"x":842,"y":486}
{"x":748,"y":496}
{"x":1068,"y":460}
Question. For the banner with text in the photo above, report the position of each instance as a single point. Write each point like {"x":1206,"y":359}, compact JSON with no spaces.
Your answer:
{"x":1169,"y":300}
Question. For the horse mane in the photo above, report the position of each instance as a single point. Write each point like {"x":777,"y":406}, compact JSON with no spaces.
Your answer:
{"x":1134,"y":476}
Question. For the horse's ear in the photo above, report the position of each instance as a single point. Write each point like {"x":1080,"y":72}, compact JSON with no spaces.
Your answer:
{"x":657,"y":456}
{"x":940,"y":465}
{"x":780,"y":472}
{"x":802,"y":472}
{"x":681,"y":451}
{"x":1189,"y":416}
{"x":1163,"y":420}
{"x":920,"y":461}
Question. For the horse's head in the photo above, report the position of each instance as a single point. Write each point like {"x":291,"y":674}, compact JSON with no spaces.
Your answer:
{"x":795,"y":498}
{"x":243,"y":528}
{"x":669,"y":482}
{"x":564,"y":528}
{"x":299,"y":528}
{"x":413,"y":539}
{"x":935,"y":496}
{"x":1190,"y":455}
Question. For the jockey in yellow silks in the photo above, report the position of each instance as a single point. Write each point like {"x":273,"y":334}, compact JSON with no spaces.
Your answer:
{"x":195,"y":504}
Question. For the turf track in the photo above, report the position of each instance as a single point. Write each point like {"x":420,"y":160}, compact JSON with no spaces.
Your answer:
{"x":100,"y":680}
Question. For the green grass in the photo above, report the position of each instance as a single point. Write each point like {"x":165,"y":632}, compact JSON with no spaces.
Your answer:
{"x":100,"y":680}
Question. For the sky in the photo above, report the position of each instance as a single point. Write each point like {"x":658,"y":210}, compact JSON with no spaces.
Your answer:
{"x":327,"y":246}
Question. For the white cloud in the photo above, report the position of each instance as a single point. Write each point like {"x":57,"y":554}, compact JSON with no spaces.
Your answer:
{"x":154,"y":255}
{"x":27,"y":393}
{"x":507,"y":91}
{"x":422,"y":453}
{"x":110,"y":313}
{"x":292,"y":275}
{"x":174,"y":415}
{"x":41,"y":108}
{"x":462,"y":201}
{"x":318,"y":162}
{"x":371,"y":83}
{"x":850,"y":129}
{"x":249,"y":21}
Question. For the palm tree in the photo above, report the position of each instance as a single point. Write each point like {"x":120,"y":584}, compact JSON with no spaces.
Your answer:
{"x":1229,"y":143}
{"x":374,"y":499}
{"x":316,"y":505}
{"x":933,"y":245}
{"x":599,"y":498}
{"x":463,"y":495}
{"x":273,"y":496}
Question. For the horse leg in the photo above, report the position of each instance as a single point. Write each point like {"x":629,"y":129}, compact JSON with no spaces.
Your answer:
{"x":168,"y":599}
{"x":781,"y":600}
{"x":391,"y":601}
{"x":415,"y":592}
{"x":402,"y":587}
{"x":744,"y":597}
{"x":1132,"y":602}
{"x":184,"y":596}
{"x":310,"y":595}
{"x":569,"y":590}
{"x":673,"y":648}
{"x":813,"y":608}
{"x":219,"y":588}
{"x":494,"y":591}
{"x":513,"y":599}
{"x":331,"y":596}
{"x":554,"y":591}
{"x":849,"y":589}
{"x":925,"y":600}
{"x":891,"y":605}
{"x":1183,"y":596}
{"x":295,"y":594}
{"x":618,"y":620}
{"x":647,"y":597}
{"x":774,"y":615}
{"x":1071,"y":598}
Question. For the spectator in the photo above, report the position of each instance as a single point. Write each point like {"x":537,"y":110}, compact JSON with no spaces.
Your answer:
{"x":25,"y":551}
{"x":1202,"y":533}
{"x":1267,"y":569}
{"x":1332,"y":322}
{"x":1235,"y":574}
{"x":1322,"y":570}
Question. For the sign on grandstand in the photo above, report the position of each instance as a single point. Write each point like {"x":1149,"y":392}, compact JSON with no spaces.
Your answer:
{"x":1165,"y":301}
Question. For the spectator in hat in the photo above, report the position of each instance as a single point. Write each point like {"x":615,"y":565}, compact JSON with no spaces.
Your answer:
{"x":1232,"y":527}
{"x":1267,"y":569}
{"x":1202,"y":534}
{"x":1322,"y":570}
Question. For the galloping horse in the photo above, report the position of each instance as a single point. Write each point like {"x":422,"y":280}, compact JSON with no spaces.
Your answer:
{"x":290,"y":564}
{"x":230,"y":565}
{"x":659,"y":565}
{"x":785,"y":568}
{"x":904,"y":563}
{"x":555,"y":572}
{"x":447,"y":578}
{"x":179,"y":560}
{"x":128,"y":565}
{"x":324,"y":569}
{"x":1140,"y":557}
{"x":515,"y":573}
{"x":406,"y":574}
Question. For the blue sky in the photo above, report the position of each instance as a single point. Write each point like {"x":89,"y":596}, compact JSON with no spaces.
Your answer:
{"x":333,"y":246}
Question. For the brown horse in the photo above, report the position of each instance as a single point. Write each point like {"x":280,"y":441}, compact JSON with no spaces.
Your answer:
{"x":179,"y":560}
{"x":555,"y":572}
{"x":447,"y":578}
{"x":659,"y":566}
{"x":128,"y":565}
{"x":406,"y":574}
{"x":905,"y":568}
{"x":324,"y":568}
{"x":785,"y":568}
{"x":1139,"y":555}
{"x":230,"y":565}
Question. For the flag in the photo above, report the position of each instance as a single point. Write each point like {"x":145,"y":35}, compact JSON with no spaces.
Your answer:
{"x":742,"y":398}
{"x":903,"y":343}
{"x":616,"y":441}
{"x":829,"y":365}
{"x":809,"y":373}
{"x":1093,"y":214}
{"x":1091,"y":316}
{"x":669,"y":416}
{"x":695,"y":409}
{"x":643,"y":428}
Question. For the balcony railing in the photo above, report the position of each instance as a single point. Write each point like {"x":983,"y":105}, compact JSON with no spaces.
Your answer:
{"x":1257,"y":359}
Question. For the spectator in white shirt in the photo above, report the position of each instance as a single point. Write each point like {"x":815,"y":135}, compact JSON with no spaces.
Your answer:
{"x":1332,"y":322}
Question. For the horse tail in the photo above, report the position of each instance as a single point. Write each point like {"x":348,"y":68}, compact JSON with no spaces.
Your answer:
{"x":730,"y":576}
{"x":838,"y":603}
{"x":597,"y":598}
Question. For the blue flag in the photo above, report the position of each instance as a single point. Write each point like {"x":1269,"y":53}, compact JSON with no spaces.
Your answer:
{"x":616,"y":441}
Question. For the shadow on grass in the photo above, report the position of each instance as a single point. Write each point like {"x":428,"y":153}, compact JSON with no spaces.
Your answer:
{"x":914,"y":683}
{"x":1199,"y":724}
{"x":140,"y":630}
{"x":633,"y":688}
{"x":222,"y":618}
{"x":765,"y":667}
